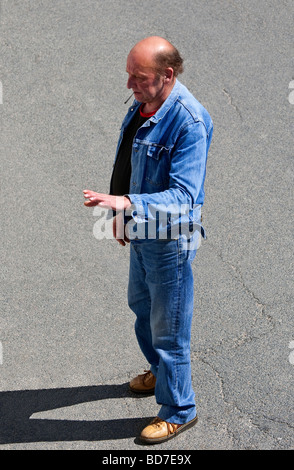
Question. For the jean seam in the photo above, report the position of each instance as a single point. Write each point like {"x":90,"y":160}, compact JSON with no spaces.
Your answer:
{"x":176,"y":313}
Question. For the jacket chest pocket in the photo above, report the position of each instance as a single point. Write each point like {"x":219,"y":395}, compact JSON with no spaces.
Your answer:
{"x":156,"y":164}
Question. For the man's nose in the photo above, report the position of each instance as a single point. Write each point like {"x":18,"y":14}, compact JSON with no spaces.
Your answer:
{"x":130,"y":83}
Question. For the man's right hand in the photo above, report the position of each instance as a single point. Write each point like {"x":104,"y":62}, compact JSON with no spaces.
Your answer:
{"x":119,"y":229}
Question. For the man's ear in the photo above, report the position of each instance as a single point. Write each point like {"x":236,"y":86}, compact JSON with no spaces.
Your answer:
{"x":169,"y":74}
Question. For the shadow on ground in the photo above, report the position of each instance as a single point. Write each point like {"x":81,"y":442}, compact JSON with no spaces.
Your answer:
{"x":16,"y":408}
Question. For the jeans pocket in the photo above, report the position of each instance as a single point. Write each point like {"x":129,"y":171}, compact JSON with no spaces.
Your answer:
{"x":187,"y":248}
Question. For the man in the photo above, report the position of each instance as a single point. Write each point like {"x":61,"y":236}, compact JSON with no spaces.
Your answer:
{"x":158,"y":186}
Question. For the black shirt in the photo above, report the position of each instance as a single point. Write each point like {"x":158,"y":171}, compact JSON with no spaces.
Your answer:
{"x":121,"y":175}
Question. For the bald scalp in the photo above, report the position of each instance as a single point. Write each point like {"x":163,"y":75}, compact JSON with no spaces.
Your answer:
{"x":157,"y":53}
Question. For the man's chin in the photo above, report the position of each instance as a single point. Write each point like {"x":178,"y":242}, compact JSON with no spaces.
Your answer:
{"x":138,"y":95}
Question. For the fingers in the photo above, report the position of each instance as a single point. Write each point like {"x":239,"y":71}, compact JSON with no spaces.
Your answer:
{"x":118,"y":229}
{"x":88,"y":193}
{"x":93,"y":198}
{"x":90,"y":203}
{"x":117,"y":203}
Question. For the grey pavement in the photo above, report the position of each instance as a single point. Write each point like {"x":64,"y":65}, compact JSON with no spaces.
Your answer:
{"x":67,"y":344}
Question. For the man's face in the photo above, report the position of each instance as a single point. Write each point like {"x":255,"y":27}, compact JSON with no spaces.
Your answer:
{"x":144,"y":80}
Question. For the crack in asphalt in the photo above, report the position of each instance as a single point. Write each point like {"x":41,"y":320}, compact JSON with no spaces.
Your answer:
{"x":230,"y":99}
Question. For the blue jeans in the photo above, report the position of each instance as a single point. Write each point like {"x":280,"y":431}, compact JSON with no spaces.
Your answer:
{"x":160,"y":294}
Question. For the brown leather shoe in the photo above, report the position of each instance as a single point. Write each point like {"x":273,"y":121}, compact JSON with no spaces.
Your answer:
{"x":144,"y":383}
{"x":160,"y":431}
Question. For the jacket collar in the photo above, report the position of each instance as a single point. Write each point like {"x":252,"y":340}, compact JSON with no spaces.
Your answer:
{"x":167,"y":104}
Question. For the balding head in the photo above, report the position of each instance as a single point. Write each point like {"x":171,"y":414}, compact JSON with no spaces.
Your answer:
{"x":158,"y":53}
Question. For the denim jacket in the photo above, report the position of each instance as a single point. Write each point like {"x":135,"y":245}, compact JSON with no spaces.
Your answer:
{"x":168,"y":160}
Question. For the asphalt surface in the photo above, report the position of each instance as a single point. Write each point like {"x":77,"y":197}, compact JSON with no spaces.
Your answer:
{"x":67,"y":345}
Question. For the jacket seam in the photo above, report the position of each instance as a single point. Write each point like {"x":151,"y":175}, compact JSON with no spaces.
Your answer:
{"x":189,"y":123}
